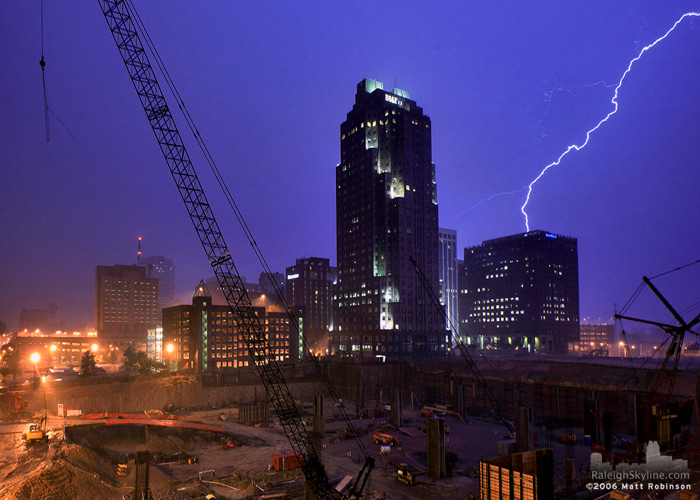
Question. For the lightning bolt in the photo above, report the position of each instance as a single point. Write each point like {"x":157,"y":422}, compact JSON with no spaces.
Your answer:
{"x":574,"y":90}
{"x":578,"y":147}
{"x":504,"y":193}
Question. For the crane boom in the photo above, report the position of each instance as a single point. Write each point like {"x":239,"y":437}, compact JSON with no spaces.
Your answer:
{"x":150,"y":94}
{"x":471,"y":364}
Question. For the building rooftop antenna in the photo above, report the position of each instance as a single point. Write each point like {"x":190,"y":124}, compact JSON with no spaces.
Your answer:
{"x":138,"y":252}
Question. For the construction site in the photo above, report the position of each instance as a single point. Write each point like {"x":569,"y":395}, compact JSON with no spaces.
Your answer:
{"x":435,"y":436}
{"x":457,"y":421}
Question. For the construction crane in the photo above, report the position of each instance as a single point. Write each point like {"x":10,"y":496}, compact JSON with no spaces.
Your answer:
{"x":495,"y":405}
{"x":661,"y":392}
{"x":662,"y":388}
{"x":123,"y":28}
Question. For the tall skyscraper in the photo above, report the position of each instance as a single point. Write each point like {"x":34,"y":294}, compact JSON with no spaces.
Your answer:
{"x":386,"y":213}
{"x":521,"y":291}
{"x":309,"y":284}
{"x":126,"y":304}
{"x":163,"y":270}
{"x":448,"y":276}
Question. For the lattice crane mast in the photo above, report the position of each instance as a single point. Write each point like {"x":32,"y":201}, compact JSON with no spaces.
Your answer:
{"x":123,"y":29}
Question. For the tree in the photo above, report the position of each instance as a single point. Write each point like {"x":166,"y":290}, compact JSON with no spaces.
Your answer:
{"x":130,"y":358}
{"x":139,"y":361}
{"x":87,"y":364}
{"x":11,"y":363}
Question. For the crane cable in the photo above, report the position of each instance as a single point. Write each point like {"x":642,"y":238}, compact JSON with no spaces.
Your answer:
{"x":236,"y":210}
{"x":676,"y":269}
{"x":639,"y":289}
{"x":42,"y":63}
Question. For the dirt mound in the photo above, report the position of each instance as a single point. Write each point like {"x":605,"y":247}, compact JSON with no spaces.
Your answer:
{"x":67,"y":471}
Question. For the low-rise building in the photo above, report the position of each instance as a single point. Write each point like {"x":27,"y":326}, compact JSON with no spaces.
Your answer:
{"x":594,"y":340}
{"x":520,"y":476}
{"x":205,"y":338}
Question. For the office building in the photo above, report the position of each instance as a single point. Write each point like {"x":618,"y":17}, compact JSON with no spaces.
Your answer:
{"x":386,"y":213}
{"x":268,"y":283}
{"x":448,"y":277}
{"x":126,"y":304}
{"x":39,"y":319}
{"x":58,"y":348}
{"x":205,"y":339}
{"x":163,"y":270}
{"x":596,"y":340}
{"x":309,"y":284}
{"x":521,"y":292}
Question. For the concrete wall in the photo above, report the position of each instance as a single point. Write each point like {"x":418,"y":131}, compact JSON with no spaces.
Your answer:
{"x":140,"y":394}
{"x":549,"y":399}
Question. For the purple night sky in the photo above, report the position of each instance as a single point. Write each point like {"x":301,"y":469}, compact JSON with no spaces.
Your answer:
{"x":508,"y":86}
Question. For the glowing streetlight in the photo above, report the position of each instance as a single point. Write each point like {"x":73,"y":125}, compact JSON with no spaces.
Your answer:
{"x":169,"y":349}
{"x":35,"y":357}
{"x":94,"y":347}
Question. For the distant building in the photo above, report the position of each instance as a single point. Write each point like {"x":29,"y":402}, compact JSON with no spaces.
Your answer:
{"x":528,"y":475}
{"x":126,"y":304}
{"x":448,"y":276}
{"x":594,"y":339}
{"x":38,"y":319}
{"x":58,"y":348}
{"x":309,"y":285}
{"x":269,"y":281}
{"x":254,"y":290}
{"x":521,"y":291}
{"x":205,"y":338}
{"x":386,"y":213}
{"x":163,"y":270}
{"x":154,"y":344}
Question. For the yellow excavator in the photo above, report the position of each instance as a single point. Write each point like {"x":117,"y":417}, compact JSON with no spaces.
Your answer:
{"x":37,"y":432}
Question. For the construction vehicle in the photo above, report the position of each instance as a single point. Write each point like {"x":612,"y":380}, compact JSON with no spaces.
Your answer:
{"x":37,"y":432}
{"x":20,"y":403}
{"x":434,"y":411}
{"x":567,"y":438}
{"x":407,"y":474}
{"x":129,"y":35}
{"x":386,"y":439}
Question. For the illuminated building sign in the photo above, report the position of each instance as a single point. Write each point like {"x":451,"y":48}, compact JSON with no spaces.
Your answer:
{"x":396,"y":100}
{"x":292,"y":276}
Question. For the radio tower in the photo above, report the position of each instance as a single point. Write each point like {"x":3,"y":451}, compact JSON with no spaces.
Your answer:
{"x":138,"y":252}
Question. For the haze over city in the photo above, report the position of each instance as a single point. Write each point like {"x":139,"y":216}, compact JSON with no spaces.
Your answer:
{"x":508,"y":89}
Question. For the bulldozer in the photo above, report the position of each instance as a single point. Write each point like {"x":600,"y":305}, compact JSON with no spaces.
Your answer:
{"x":37,"y":432}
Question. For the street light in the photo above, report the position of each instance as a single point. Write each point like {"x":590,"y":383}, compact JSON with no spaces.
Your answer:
{"x":35,"y":358}
{"x":170,"y":348}
{"x":43,"y":387}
